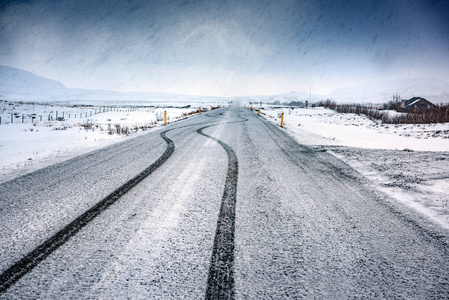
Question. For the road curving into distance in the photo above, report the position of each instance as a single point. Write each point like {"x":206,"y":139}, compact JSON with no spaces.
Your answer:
{"x":220,"y":206}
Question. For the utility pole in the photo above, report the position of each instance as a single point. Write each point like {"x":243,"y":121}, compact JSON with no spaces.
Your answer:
{"x":310,"y":93}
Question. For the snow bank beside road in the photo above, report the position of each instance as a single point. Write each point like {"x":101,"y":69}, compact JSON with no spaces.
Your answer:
{"x":410,"y":163}
{"x":327,"y":127}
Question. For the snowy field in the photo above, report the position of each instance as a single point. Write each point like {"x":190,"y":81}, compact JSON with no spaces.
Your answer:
{"x":27,"y":143}
{"x":408,"y":162}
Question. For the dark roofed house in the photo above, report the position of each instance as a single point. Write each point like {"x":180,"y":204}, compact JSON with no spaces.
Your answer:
{"x":415,"y":103}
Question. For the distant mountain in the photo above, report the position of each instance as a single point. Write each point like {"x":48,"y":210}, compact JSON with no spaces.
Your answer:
{"x":12,"y":79}
{"x":16,"y":84}
{"x":436,"y":91}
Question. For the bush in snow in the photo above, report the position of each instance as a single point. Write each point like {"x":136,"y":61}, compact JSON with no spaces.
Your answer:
{"x":438,"y":114}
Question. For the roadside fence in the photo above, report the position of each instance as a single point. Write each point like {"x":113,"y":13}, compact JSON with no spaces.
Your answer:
{"x":15,"y":117}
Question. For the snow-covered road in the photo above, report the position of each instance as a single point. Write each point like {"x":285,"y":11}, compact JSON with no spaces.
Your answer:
{"x":302,"y":224}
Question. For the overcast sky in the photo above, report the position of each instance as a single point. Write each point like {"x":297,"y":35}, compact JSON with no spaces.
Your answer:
{"x":225,"y":48}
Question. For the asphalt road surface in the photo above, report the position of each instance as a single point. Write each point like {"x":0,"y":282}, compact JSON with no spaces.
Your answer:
{"x":220,"y":206}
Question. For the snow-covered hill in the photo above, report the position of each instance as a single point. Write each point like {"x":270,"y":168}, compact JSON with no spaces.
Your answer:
{"x":12,"y":79}
{"x":16,"y":84}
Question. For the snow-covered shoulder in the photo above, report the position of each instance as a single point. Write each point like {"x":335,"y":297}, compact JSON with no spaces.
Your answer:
{"x":410,"y":163}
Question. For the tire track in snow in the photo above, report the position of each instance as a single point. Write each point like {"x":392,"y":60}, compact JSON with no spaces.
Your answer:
{"x":32,"y":259}
{"x":220,"y":283}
